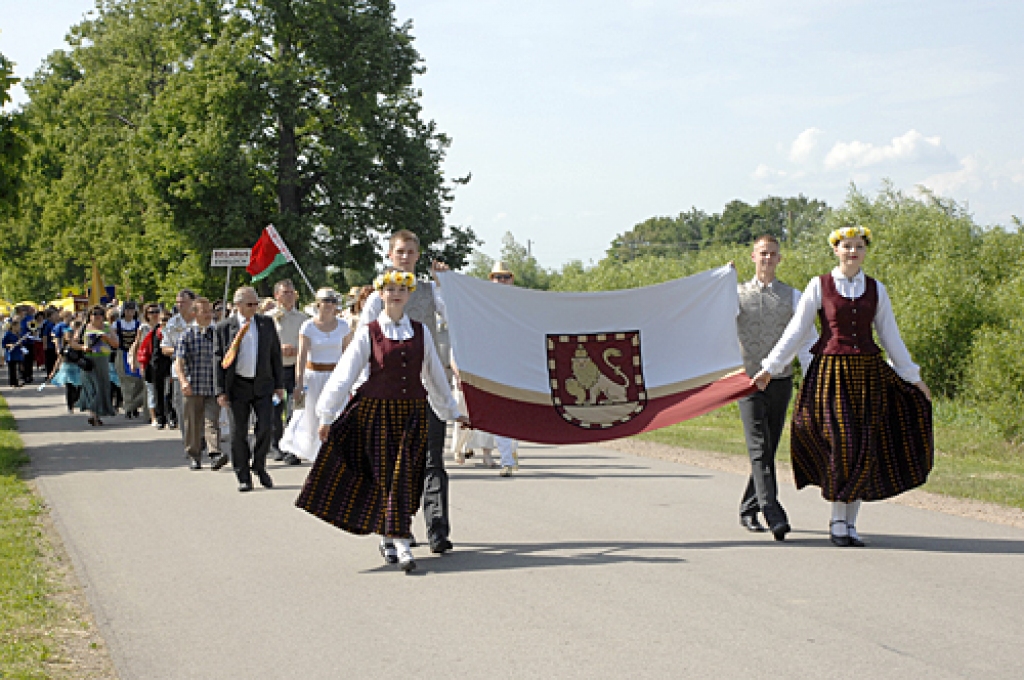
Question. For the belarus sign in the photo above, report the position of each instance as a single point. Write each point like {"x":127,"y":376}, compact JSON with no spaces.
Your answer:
{"x":236,"y":257}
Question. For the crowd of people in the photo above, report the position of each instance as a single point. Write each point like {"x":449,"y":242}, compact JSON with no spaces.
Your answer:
{"x":362,"y":387}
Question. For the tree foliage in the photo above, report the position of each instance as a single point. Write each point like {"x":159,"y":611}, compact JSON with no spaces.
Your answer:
{"x":173,"y":127}
{"x":528,"y":272}
{"x":739,"y":222}
{"x":12,"y":142}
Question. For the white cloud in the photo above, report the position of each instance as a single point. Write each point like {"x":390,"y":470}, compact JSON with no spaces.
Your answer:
{"x":804,"y":145}
{"x":911,"y":147}
{"x":764,"y":172}
{"x":976,"y":174}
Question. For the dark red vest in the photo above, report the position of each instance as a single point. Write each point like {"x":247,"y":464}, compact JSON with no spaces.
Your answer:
{"x":845,"y":323}
{"x":395,"y":365}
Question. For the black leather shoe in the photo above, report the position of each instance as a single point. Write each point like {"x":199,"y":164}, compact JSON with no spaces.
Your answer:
{"x":780,"y":530}
{"x":751,"y":523}
{"x":853,"y":537}
{"x":219,"y":462}
{"x":439,"y":546}
{"x":278,"y":453}
{"x":838,"y":541}
{"x":195,"y":465}
{"x":388,"y":552}
{"x":292,"y":459}
{"x":265,"y":481}
{"x":244,"y":486}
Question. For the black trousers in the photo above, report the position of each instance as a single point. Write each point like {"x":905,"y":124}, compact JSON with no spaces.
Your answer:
{"x":161,"y":374}
{"x":283,"y":411}
{"x":71,"y":393}
{"x":12,"y":373}
{"x":28,"y":364}
{"x":764,"y":417}
{"x":435,"y":481}
{"x":51,"y":360}
{"x":243,"y":402}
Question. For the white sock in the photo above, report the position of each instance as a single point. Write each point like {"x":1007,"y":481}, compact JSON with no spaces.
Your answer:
{"x":838,"y":525}
{"x":402,"y":544}
{"x":851,"y":517}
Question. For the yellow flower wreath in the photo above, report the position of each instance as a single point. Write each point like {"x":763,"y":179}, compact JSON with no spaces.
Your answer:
{"x":849,"y":232}
{"x":400,"y":278}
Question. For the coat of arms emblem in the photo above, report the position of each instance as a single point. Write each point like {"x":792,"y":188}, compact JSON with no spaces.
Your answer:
{"x":596,"y":379}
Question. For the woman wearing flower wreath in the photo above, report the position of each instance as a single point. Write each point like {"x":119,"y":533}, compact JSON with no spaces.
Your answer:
{"x":862,"y":429}
{"x":368,"y":476}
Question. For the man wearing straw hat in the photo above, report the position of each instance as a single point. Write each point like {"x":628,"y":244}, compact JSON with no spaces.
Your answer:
{"x":473,"y":439}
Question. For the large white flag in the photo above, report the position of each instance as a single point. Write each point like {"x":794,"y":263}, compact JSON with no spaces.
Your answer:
{"x":563,"y":368}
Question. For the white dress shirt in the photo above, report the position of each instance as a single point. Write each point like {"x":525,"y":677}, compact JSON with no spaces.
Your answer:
{"x":807,"y":309}
{"x":347,"y":375}
{"x":248,"y":350}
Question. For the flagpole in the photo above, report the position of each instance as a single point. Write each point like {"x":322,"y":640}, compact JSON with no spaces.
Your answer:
{"x":308,"y":284}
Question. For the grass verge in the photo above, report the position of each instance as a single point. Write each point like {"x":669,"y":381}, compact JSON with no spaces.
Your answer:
{"x":972,"y":460}
{"x":25,"y":609}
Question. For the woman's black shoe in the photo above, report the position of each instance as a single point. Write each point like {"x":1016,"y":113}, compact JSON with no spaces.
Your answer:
{"x":839,"y":541}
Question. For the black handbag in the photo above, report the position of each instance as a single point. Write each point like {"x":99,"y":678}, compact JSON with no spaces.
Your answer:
{"x":71,"y":355}
{"x":85,"y":363}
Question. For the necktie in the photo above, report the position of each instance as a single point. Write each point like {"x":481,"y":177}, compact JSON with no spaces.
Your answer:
{"x":229,"y":358}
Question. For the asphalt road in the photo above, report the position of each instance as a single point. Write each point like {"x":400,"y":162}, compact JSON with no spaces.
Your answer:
{"x":587,"y":564}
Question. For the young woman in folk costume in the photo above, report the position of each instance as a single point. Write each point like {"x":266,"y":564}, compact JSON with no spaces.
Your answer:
{"x":862,"y":429}
{"x":368,"y":476}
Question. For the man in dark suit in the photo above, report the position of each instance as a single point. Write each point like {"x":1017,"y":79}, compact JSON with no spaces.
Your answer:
{"x":247,"y":375}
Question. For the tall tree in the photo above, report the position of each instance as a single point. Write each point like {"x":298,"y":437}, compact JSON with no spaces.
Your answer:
{"x":173,"y":127}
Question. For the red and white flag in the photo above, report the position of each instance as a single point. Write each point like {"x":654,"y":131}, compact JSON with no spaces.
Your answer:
{"x":569,"y":368}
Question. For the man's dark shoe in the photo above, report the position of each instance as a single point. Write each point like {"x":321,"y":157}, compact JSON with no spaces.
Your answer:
{"x":244,"y":486}
{"x":277,"y":453}
{"x":440,"y":545}
{"x":218,"y":462}
{"x":780,"y":530}
{"x":265,"y":479}
{"x":292,"y":459}
{"x":751,"y":523}
{"x":194,"y":464}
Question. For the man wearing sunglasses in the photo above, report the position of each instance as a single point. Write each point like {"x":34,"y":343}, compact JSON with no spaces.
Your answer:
{"x":247,"y":374}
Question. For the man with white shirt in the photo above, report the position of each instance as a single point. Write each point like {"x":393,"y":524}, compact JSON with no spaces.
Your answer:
{"x":766,"y":306}
{"x":425,"y":305}
{"x":247,"y":375}
{"x":172,"y":333}
{"x":288,"y":320}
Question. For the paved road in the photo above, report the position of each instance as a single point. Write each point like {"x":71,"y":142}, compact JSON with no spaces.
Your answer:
{"x":588,"y":564}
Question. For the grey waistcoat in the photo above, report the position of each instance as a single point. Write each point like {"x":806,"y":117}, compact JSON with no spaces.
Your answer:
{"x":421,"y":307}
{"x":764,"y":314}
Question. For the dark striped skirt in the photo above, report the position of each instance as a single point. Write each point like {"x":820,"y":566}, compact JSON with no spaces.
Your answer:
{"x":368,"y":477}
{"x":860,"y":432}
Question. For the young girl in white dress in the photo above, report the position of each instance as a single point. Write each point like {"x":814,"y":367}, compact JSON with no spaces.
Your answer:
{"x":322,"y":340}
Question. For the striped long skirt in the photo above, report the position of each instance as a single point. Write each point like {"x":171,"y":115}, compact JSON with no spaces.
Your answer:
{"x":368,"y":476}
{"x":860,"y":432}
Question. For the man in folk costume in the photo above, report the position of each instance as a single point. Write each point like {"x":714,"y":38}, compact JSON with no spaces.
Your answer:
{"x":288,"y":320}
{"x":467,"y":440}
{"x":766,"y":306}
{"x":247,"y":374}
{"x":424,"y":306}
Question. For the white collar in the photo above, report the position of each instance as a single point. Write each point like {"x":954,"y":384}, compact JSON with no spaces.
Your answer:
{"x":384,"y":320}
{"x":837,"y":274}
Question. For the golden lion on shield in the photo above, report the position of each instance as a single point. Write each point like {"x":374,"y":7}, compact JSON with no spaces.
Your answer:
{"x":589,"y":383}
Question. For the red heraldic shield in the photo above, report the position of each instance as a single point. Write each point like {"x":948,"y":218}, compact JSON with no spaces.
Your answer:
{"x":597,"y":379}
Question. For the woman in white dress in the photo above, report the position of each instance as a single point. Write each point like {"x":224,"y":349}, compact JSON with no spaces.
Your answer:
{"x":322,"y":339}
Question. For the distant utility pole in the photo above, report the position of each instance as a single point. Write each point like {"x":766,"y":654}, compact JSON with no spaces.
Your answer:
{"x":529,"y":249}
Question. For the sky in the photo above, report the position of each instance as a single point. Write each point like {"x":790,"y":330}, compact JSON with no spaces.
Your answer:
{"x":579,"y":119}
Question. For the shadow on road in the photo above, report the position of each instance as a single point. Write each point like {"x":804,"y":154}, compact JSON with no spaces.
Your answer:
{"x":950,"y":545}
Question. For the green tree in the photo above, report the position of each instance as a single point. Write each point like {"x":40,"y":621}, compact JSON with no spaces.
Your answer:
{"x":12,"y":143}
{"x":174,"y":127}
{"x":528,"y":272}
